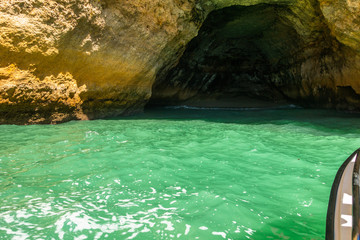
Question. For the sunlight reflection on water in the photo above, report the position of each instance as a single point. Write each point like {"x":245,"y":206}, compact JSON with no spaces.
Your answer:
{"x":194,"y":175}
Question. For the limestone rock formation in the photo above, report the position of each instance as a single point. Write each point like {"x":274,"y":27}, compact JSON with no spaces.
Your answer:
{"x":71,"y":59}
{"x":109,"y":50}
{"x":283,"y":52}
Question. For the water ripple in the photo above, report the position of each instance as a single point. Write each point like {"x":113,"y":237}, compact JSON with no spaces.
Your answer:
{"x":199,"y":175}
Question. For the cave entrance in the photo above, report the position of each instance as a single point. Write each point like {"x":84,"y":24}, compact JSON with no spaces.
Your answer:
{"x":239,"y":54}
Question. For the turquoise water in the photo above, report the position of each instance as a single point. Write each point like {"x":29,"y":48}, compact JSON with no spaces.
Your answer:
{"x":174,"y":174}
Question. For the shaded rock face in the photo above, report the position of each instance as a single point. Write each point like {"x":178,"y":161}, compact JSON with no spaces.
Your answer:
{"x":235,"y":54}
{"x":69,"y":59}
{"x":263,"y":52}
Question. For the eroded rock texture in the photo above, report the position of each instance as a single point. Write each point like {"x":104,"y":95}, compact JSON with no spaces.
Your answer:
{"x":277,"y":52}
{"x":71,"y":59}
{"x":109,"y":50}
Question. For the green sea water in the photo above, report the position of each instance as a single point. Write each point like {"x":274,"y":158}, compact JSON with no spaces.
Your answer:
{"x":174,"y":174}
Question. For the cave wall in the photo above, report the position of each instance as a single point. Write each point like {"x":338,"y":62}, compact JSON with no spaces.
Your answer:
{"x":265,"y":51}
{"x":235,"y":54}
{"x":71,"y":59}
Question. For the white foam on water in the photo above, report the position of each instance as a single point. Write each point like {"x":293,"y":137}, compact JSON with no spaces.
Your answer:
{"x":187,"y":230}
{"x":219,"y":234}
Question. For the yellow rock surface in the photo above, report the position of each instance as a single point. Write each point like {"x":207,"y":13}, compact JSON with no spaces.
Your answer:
{"x":72,"y":59}
{"x":112,"y":49}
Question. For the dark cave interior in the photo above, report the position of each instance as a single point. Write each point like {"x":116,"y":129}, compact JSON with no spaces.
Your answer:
{"x":253,"y":52}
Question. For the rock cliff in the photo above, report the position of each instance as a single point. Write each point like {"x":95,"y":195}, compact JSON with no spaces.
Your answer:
{"x":71,"y":59}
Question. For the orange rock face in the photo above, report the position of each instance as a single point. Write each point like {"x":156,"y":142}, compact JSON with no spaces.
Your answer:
{"x":69,"y":59}
{"x":107,"y":53}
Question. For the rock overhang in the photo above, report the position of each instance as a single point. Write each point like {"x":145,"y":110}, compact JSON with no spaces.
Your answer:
{"x":117,"y":50}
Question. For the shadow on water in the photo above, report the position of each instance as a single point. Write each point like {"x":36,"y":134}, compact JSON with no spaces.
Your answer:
{"x":276,"y":230}
{"x":318,"y":118}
